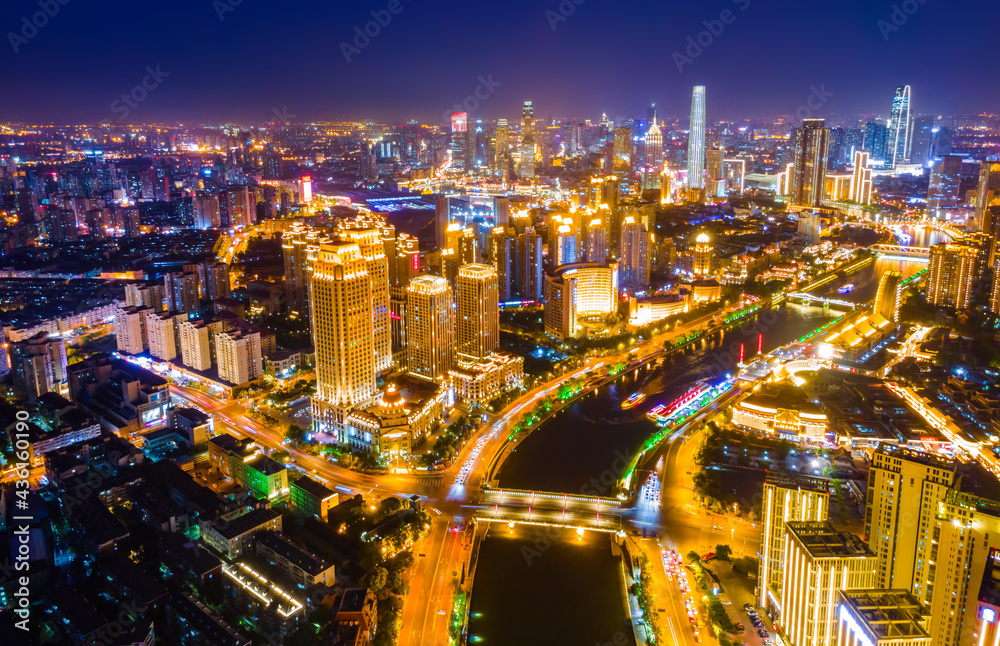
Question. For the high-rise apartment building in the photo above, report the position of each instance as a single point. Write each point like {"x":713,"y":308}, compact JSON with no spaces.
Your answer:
{"x":952,"y":274}
{"x":163,"y":333}
{"x":295,"y":242}
{"x":904,"y":489}
{"x":633,"y":255}
{"x":597,"y":242}
{"x":899,"y":127}
{"x":477,"y":323}
{"x":785,"y":498}
{"x":239,"y":356}
{"x":144,"y":295}
{"x":696,"y":140}
{"x":37,"y":365}
{"x":529,"y":265}
{"x":819,"y":562}
{"x":808,"y":175}
{"x":198,"y":342}
{"x":430,"y":327}
{"x":181,"y":291}
{"x":216,"y":283}
{"x":130,"y":329}
{"x":340,"y":305}
{"x":503,"y":256}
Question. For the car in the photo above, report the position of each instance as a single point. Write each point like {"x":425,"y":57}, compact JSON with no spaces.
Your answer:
{"x":739,"y":627}
{"x":748,"y":607}
{"x":763,"y":634}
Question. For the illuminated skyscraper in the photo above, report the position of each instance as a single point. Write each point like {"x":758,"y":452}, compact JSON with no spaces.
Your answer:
{"x":696,"y":140}
{"x":502,"y":150}
{"x":861,"y":179}
{"x":477,"y":325}
{"x":904,"y":490}
{"x":622,"y":149}
{"x":785,"y":498}
{"x":503,"y":256}
{"x":899,"y":127}
{"x":634,"y":256}
{"x":577,"y":293}
{"x":946,"y":177}
{"x":369,"y":241}
{"x":526,"y":168}
{"x":952,"y":274}
{"x":597,"y":241}
{"x":564,"y":247}
{"x":529,"y":266}
{"x":877,"y":143}
{"x":808,"y":175}
{"x":430,"y":327}
{"x":340,"y":305}
{"x":988,"y":194}
{"x":653,"y":165}
{"x":819,"y":562}
{"x":459,"y":141}
{"x":715,"y":163}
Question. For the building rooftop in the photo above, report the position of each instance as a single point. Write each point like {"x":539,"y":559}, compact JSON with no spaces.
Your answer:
{"x":887,"y":614}
{"x":921,"y":457}
{"x":797,"y":481}
{"x":313,"y":488}
{"x":293,"y":553}
{"x":247,"y":522}
{"x":822,"y":540}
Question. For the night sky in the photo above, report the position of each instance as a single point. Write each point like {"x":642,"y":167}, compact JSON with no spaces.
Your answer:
{"x":605,"y":56}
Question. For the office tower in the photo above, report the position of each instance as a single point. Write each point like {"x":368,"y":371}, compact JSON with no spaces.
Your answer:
{"x":946,"y":176}
{"x":904,"y":489}
{"x":216,"y":283}
{"x":988,"y":194}
{"x":715,"y":162}
{"x":786,"y":498}
{"x":861,"y":179}
{"x":808,"y":177}
{"x":503,"y":257}
{"x":459,"y":143}
{"x":899,"y":127}
{"x":889,"y":295}
{"x":622,"y":149}
{"x":881,"y":618}
{"x":295,"y":243}
{"x":397,"y":318}
{"x":653,"y":165}
{"x":198,"y":342}
{"x":430,"y":328}
{"x":407,"y":258}
{"x":369,"y":241}
{"x":564,"y":246}
{"x":238,"y":356}
{"x":163,"y":333}
{"x":633,"y":256}
{"x":696,"y":140}
{"x":529,"y":266}
{"x":810,"y":226}
{"x":967,"y":529}
{"x":734,"y":172}
{"x":526,"y":167}
{"x":180,"y":290}
{"x":952,"y":274}
{"x":597,"y":242}
{"x":702,"y":255}
{"x":340,"y":305}
{"x":576,"y":293}
{"x":922,"y":140}
{"x":477,"y":324}
{"x":819,"y":562}
{"x":500,"y":159}
{"x":877,"y":143}
{"x":37,"y":364}
{"x":130,"y":329}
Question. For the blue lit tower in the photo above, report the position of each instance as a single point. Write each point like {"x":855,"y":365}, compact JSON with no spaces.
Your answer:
{"x":899,"y":126}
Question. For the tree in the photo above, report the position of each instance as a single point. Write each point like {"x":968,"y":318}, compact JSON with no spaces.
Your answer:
{"x":723,"y":552}
{"x":693,"y":557}
{"x":295,"y":433}
{"x":376,"y":578}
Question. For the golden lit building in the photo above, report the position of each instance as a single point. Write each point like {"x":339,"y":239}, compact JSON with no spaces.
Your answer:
{"x":479,"y":383}
{"x":702,"y":255}
{"x":343,"y":333}
{"x":952,"y":274}
{"x":786,"y":497}
{"x":430,"y":328}
{"x":401,"y":419}
{"x":369,"y":239}
{"x":781,"y":409}
{"x":477,"y":324}
{"x":819,"y":562}
{"x":881,"y":618}
{"x":578,"y":292}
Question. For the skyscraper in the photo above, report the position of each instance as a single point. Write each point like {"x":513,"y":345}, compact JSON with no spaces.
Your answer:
{"x":946,"y":176}
{"x":702,"y":254}
{"x":808,"y":175}
{"x":653,"y":166}
{"x":503,"y":256}
{"x":526,"y":168}
{"x":634,"y":257}
{"x":477,"y":324}
{"x":529,"y":266}
{"x":861,"y":179}
{"x":181,"y":290}
{"x":899,"y":127}
{"x":369,"y":241}
{"x":696,"y":140}
{"x":597,"y":241}
{"x":340,"y":305}
{"x":459,"y":141}
{"x":430,"y":327}
{"x":786,"y":498}
{"x":564,"y":246}
{"x":988,"y":193}
{"x":952,"y":274}
{"x":876,"y":142}
{"x":904,"y":489}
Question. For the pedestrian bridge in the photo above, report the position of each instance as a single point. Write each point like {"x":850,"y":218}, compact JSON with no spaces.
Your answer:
{"x":916,"y":253}
{"x":550,"y":509}
{"x":812,"y":299}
